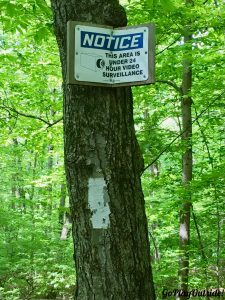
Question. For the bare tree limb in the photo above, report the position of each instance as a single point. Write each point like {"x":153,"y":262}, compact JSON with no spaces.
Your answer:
{"x":173,"y":84}
{"x":171,"y":44}
{"x":202,"y":250}
{"x":55,"y":122}
{"x":13,"y":110}
{"x":199,"y":235}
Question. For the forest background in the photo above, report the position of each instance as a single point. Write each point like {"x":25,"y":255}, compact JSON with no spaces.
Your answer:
{"x":36,"y":250}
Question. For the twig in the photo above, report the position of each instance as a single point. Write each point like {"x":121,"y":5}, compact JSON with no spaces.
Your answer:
{"x":174,"y":42}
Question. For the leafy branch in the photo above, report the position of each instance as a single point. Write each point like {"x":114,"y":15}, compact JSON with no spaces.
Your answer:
{"x":19,"y":113}
{"x":182,"y":132}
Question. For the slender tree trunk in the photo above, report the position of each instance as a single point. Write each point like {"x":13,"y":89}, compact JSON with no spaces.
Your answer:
{"x":64,"y":216}
{"x":65,"y":229}
{"x":154,"y":170}
{"x":50,"y":167}
{"x":103,"y":166}
{"x":185,"y":212}
{"x":62,"y":205}
{"x":18,"y":193}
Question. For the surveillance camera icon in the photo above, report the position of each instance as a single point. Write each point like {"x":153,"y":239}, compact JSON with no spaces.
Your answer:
{"x":100,"y":63}
{"x":92,"y":62}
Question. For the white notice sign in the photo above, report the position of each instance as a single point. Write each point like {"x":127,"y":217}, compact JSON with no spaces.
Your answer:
{"x":112,"y":56}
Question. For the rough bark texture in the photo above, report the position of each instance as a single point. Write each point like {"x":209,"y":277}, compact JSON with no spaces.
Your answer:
{"x":185,"y":212}
{"x":100,"y":143}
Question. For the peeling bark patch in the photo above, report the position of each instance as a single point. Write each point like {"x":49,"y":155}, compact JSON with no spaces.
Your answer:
{"x":98,"y":203}
{"x":183,"y":231}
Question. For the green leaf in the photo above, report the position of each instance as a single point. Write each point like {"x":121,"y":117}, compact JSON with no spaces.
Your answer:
{"x":11,"y":9}
{"x":168,"y":5}
{"x":43,"y":7}
{"x":42,"y":34}
{"x":150,"y":3}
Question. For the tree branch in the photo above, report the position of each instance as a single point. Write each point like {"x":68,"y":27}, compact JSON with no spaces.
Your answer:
{"x":154,"y":244}
{"x":169,"y":45}
{"x":199,"y":235}
{"x":173,"y":84}
{"x":181,"y":133}
{"x":55,"y":122}
{"x":11,"y":109}
{"x":203,"y":136}
{"x":204,"y":256}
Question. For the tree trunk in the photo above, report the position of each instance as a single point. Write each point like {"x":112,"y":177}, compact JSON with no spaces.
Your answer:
{"x":185,"y":212}
{"x":62,"y":205}
{"x":103,"y":166}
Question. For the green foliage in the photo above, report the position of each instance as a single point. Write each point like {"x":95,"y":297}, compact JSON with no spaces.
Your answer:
{"x":35,"y":262}
{"x":158,"y":123}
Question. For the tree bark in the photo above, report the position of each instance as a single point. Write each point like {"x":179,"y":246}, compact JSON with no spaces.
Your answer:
{"x":103,"y":166}
{"x":187,"y":164}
